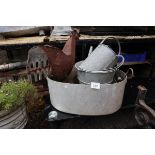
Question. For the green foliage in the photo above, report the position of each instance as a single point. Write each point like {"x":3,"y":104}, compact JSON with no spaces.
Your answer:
{"x":13,"y":94}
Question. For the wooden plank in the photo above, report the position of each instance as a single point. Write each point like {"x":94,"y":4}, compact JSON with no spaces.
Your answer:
{"x":40,"y":39}
{"x":22,"y":40}
{"x":88,"y":37}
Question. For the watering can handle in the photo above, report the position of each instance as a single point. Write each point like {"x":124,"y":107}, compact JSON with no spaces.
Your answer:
{"x":119,"y":45}
{"x":121,"y":63}
{"x":90,"y":50}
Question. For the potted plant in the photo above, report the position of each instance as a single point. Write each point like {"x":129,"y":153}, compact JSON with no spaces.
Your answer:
{"x":13,"y":97}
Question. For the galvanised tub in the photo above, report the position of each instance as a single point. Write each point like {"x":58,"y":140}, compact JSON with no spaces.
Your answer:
{"x":81,"y":99}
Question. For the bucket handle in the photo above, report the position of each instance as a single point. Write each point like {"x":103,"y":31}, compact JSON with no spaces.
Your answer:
{"x":130,"y":76}
{"x":119,"y":45}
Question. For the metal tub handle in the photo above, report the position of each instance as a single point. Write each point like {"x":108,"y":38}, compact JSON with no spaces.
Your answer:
{"x":130,"y":76}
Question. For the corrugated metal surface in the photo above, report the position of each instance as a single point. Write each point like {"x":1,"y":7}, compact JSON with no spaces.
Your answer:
{"x":14,"y":120}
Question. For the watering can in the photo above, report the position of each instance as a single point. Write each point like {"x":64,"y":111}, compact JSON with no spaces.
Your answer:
{"x":103,"y":57}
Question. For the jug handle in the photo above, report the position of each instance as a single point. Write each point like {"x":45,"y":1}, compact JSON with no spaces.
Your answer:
{"x":121,"y":63}
{"x":130,"y":76}
{"x":119,"y":45}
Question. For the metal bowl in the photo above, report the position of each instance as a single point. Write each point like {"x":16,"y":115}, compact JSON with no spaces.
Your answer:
{"x":86,"y":77}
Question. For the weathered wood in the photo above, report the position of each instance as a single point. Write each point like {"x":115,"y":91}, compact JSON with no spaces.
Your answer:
{"x":22,"y":40}
{"x":88,"y":37}
{"x":3,"y":57}
{"x":18,"y":31}
{"x":40,"y":39}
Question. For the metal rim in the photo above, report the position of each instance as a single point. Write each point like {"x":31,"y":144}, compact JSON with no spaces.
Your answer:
{"x":103,"y":71}
{"x":48,"y":79}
